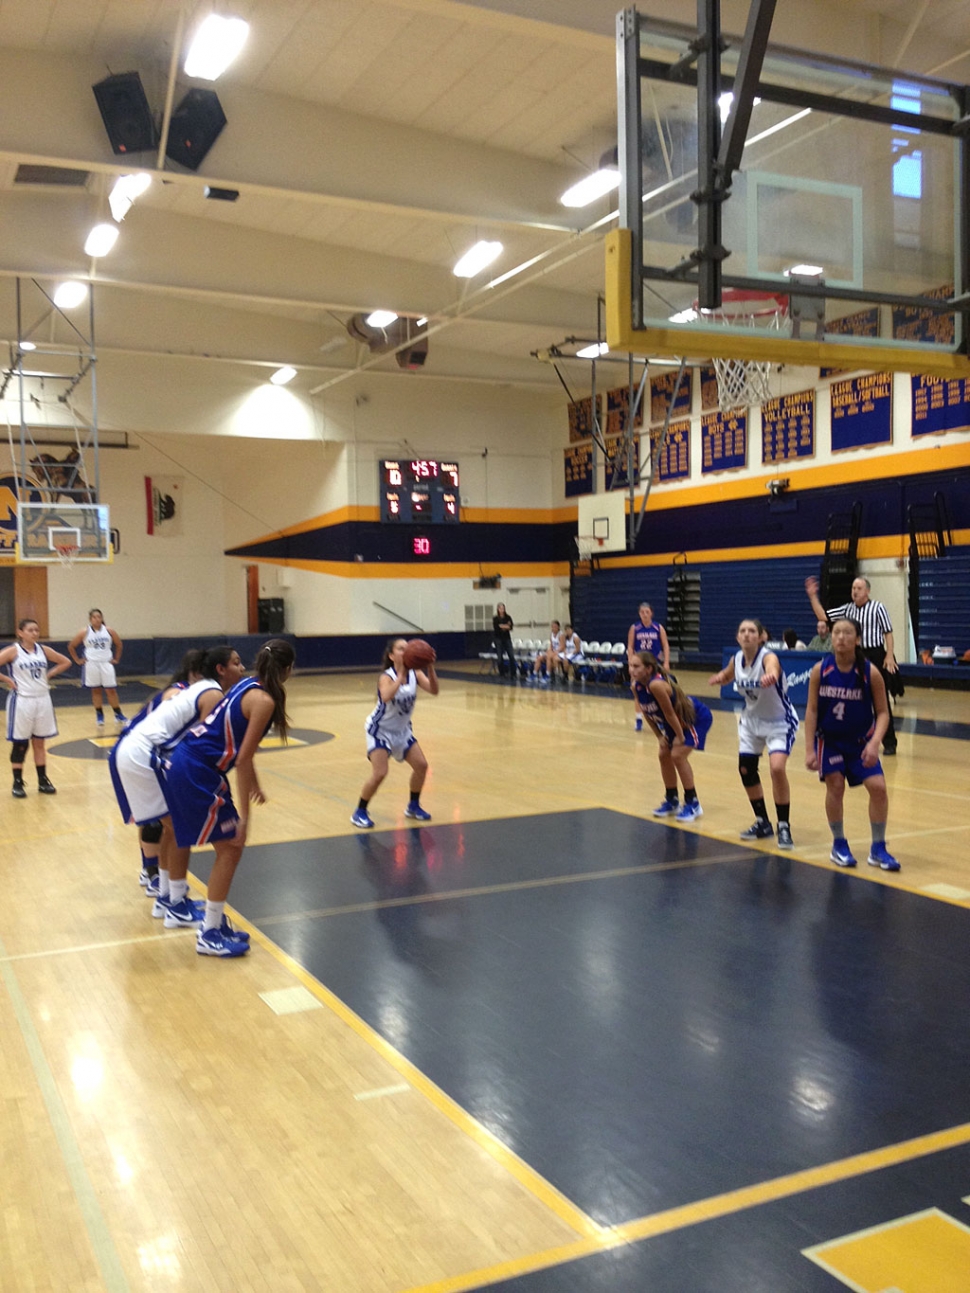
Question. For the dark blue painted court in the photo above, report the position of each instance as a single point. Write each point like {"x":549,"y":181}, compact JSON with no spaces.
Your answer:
{"x":648,"y":1017}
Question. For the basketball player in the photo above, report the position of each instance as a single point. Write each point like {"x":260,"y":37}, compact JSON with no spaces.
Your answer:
{"x":102,"y":651}
{"x":572,"y":651}
{"x":644,"y":635}
{"x":846,"y":718}
{"x":549,"y":655}
{"x":680,"y":723}
{"x":29,"y":668}
{"x":193,"y":777}
{"x":768,"y":721}
{"x":136,"y":784}
{"x":388,"y":731}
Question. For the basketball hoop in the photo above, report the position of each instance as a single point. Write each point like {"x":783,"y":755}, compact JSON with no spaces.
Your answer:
{"x":743,"y":382}
{"x":67,"y":553}
{"x":588,"y":545}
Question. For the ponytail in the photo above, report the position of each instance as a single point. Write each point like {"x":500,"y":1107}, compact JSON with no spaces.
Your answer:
{"x":682,"y":703}
{"x":192,"y":662}
{"x":273,"y":662}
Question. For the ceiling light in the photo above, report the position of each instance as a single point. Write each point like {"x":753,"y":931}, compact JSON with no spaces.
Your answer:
{"x":419,"y":323}
{"x":28,"y":345}
{"x":594,"y":186}
{"x":216,"y":44}
{"x":478,"y":258}
{"x":70,"y":294}
{"x":100,"y":240}
{"x":380,"y":318}
{"x":283,"y":375}
{"x":594,"y":351}
{"x":806,"y":271}
{"x":124,"y":191}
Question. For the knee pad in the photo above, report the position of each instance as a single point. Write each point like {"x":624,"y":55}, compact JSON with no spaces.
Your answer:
{"x":151,"y":833}
{"x":748,"y":768}
{"x":18,"y":751}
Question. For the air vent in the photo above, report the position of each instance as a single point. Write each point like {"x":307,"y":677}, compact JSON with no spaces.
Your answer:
{"x":59,"y":177}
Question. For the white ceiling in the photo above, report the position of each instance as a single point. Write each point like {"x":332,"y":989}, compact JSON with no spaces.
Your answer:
{"x":371,"y":141}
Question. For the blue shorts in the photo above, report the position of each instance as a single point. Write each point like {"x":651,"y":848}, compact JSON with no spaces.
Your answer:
{"x":844,"y":757}
{"x":198,"y":798}
{"x":695,"y":736}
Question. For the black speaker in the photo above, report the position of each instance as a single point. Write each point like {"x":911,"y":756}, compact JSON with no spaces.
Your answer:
{"x":125,"y":112}
{"x":195,"y":126}
{"x":269,"y":614}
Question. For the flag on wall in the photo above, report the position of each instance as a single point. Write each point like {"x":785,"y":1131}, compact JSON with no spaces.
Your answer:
{"x":163,"y":498}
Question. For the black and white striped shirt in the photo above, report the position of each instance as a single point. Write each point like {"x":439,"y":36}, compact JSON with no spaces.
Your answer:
{"x":873,"y":618}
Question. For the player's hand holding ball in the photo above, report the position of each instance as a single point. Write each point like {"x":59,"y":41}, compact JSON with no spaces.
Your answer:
{"x":418,"y":654}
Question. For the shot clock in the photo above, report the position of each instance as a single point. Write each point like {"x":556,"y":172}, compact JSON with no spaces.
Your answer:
{"x":419,"y":491}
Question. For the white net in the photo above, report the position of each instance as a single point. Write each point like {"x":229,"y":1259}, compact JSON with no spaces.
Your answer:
{"x":587,"y":546}
{"x":67,"y":553}
{"x":743,"y":382}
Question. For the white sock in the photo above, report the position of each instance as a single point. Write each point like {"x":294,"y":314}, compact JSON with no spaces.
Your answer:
{"x":164,"y":884}
{"x":177,"y":890}
{"x":213,"y":914}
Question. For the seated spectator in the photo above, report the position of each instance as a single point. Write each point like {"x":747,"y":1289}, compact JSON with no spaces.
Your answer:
{"x":822,"y":641}
{"x":792,"y":641}
{"x":549,"y":655}
{"x":572,"y":651}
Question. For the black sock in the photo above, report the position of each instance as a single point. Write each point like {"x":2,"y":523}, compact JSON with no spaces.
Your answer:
{"x":670,"y":794}
{"x":760,"y":811}
{"x":362,"y":805}
{"x":415,"y":796}
{"x":690,"y":796}
{"x":99,"y":711}
{"x":41,"y":773}
{"x":118,"y":713}
{"x":18,"y":776}
{"x":783,"y":810}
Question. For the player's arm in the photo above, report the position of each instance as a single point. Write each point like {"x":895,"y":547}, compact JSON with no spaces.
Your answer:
{"x":118,"y":645}
{"x":661,"y":693}
{"x":257,"y":706}
{"x":771,"y":674}
{"x":664,"y":647}
{"x":723,"y":676}
{"x":629,"y":641}
{"x":387,"y":687}
{"x":427,"y":679}
{"x":811,"y":587}
{"x":73,"y":645}
{"x":206,"y":702}
{"x":888,"y":643}
{"x":811,"y":717}
{"x":60,"y":662}
{"x":880,"y":704}
{"x":6,"y":655}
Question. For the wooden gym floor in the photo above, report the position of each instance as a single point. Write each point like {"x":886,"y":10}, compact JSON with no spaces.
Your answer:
{"x":543,"y":1043}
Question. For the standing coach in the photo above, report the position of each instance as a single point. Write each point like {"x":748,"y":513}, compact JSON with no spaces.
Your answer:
{"x":877,"y":634}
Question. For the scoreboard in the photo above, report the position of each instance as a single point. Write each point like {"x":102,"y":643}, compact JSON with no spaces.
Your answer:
{"x":419,"y":491}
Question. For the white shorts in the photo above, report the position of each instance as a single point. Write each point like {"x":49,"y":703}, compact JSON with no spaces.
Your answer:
{"x":29,"y":716}
{"x":397,"y":746}
{"x":133,"y":763}
{"x":754,"y":737}
{"x":99,"y":673}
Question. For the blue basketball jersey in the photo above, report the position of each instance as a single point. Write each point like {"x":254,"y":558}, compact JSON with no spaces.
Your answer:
{"x":216,"y":740}
{"x":694,"y":735}
{"x":646,"y":638}
{"x":845,"y":707}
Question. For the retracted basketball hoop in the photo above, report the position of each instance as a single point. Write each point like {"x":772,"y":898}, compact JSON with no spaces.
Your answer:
{"x":588,"y":546}
{"x":743,"y":382}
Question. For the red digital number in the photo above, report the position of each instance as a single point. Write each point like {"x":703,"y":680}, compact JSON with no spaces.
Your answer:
{"x":422,"y":547}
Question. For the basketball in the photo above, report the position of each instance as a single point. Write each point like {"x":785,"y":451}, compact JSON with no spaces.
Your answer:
{"x":418,"y":653}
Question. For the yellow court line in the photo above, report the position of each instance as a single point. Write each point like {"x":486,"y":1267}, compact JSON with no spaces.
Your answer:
{"x":720,"y":1205}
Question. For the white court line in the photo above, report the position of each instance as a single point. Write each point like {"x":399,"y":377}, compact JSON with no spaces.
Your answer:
{"x":90,"y":947}
{"x":380,"y":1091}
{"x":102,"y":1244}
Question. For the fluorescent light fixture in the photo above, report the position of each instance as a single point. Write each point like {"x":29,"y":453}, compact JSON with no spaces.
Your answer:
{"x":807,"y":271}
{"x":780,"y":125}
{"x":28,"y":345}
{"x":594,"y":186}
{"x":477,"y":258}
{"x":419,"y":323}
{"x":724,"y":104}
{"x":380,"y":318}
{"x":100,"y":240}
{"x":70,"y":294}
{"x":215,"y":45}
{"x":283,"y":375}
{"x":124,"y":191}
{"x":594,"y":351}
{"x":684,"y":316}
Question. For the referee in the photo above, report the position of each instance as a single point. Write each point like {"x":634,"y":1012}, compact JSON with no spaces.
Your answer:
{"x":877,"y":634}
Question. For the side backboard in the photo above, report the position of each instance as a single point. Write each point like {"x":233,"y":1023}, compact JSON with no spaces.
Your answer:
{"x":65,"y":532}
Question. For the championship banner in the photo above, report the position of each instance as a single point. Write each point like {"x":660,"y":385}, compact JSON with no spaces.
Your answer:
{"x":724,"y":442}
{"x":581,"y":419}
{"x":674,"y":461}
{"x":864,"y":323}
{"x":618,"y":472}
{"x":940,"y":404}
{"x":788,"y":428}
{"x":617,"y":406}
{"x":662,"y":390}
{"x":910,"y":324}
{"x":710,"y":396}
{"x":578,"y":466}
{"x":862,"y":411}
{"x":163,"y":499}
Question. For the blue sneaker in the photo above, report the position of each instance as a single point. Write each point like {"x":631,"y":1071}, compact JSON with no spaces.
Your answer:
{"x":228,"y":930}
{"x":159,"y":907}
{"x":667,"y":809}
{"x":841,"y":854}
{"x":360,"y":818}
{"x":152,"y":889}
{"x":638,"y":727}
{"x":690,"y":812}
{"x":99,"y":720}
{"x":417,"y":812}
{"x":880,"y":856}
{"x":213,"y":942}
{"x":184,"y":914}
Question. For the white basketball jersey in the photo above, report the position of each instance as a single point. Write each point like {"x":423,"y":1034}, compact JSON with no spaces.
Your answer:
{"x":98,"y":647}
{"x":170,"y":720}
{"x":391,"y":719}
{"x":767,"y":704}
{"x":29,"y":671}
